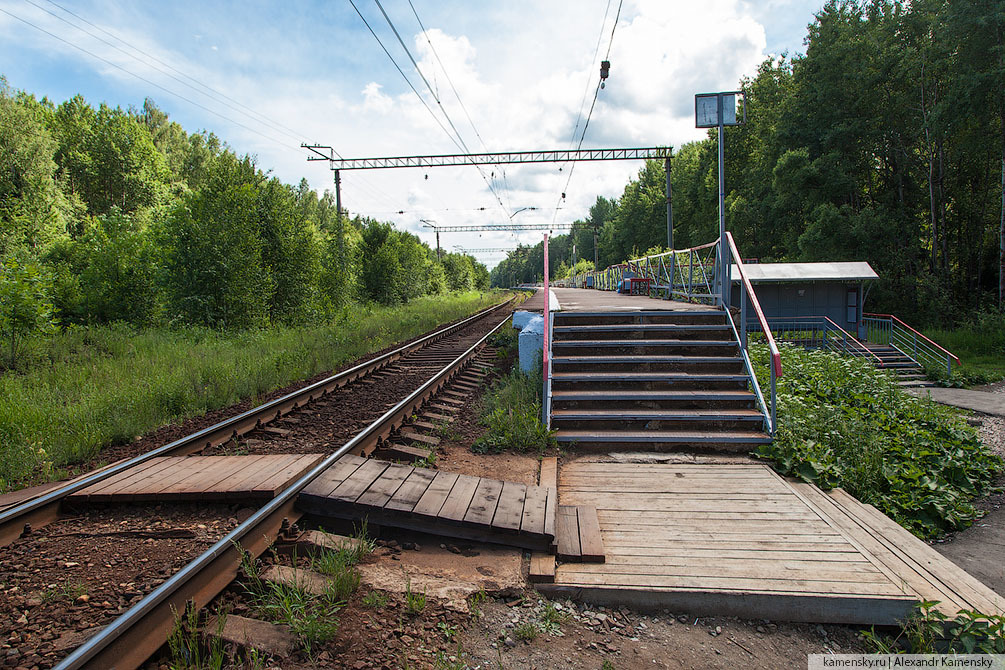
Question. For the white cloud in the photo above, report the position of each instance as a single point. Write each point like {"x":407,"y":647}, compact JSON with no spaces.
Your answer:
{"x":521,"y":69}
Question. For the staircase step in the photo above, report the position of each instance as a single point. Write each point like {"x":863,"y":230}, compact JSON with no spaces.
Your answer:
{"x":645,"y":358}
{"x":645,"y":327}
{"x":738,"y":440}
{"x":647,"y":343}
{"x":645,"y":396}
{"x":644,"y":377}
{"x":657,"y":415}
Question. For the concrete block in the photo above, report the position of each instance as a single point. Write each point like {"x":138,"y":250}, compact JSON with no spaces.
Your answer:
{"x":531,"y":342}
{"x":521,"y":318}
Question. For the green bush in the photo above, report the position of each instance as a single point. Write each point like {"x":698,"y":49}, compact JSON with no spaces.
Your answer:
{"x":512,"y":414}
{"x":844,"y":423}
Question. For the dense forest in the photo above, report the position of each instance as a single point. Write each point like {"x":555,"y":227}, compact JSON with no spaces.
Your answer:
{"x":111,"y":215}
{"x":885,"y":142}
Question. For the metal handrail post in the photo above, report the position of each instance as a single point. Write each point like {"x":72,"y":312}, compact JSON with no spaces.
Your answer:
{"x":774,"y":401}
{"x":743,"y":317}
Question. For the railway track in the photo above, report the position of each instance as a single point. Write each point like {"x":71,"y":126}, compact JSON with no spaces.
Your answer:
{"x":411,"y":375}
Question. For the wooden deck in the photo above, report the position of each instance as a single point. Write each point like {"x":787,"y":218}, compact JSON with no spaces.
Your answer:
{"x":740,"y":540}
{"x":209,"y":478}
{"x":434,"y":501}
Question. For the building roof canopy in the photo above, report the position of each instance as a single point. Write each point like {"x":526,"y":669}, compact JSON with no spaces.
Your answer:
{"x":806,"y":272}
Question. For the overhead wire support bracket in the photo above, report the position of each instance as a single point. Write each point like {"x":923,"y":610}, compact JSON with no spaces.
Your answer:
{"x":445,"y":160}
{"x":505,"y":227}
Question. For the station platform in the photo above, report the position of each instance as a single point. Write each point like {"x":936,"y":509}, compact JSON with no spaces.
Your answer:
{"x":591,"y":300}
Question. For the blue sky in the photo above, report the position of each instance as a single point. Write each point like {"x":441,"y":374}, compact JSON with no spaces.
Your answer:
{"x":311,"y":71}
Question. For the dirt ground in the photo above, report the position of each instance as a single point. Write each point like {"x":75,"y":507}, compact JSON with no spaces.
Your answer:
{"x":77,"y":574}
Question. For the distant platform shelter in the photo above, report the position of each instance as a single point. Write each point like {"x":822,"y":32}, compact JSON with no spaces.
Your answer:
{"x":799,"y":290}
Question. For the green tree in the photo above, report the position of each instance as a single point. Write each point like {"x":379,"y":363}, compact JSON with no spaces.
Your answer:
{"x":25,"y":309}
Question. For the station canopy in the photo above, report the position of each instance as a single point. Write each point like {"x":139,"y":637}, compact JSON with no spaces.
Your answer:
{"x":760,"y":273}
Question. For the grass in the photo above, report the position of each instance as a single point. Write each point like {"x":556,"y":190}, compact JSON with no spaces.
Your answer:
{"x":313,"y":618}
{"x":187,"y":650}
{"x":844,"y":423}
{"x":415,"y":601}
{"x":90,"y":387}
{"x":376,"y":599}
{"x":980,"y":344}
{"x":929,"y":631}
{"x":527,"y":631}
{"x":511,"y":413}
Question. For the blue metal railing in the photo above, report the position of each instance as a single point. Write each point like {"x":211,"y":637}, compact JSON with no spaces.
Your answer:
{"x":820,"y":332}
{"x":888,"y":330}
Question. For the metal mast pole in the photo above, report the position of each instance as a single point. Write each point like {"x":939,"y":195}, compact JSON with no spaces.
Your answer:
{"x":669,"y":207}
{"x":338,"y":195}
{"x":725,"y":260}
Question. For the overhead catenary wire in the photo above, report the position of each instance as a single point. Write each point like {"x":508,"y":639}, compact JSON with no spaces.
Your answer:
{"x":457,"y":95}
{"x":456,"y":138}
{"x":596,"y":93}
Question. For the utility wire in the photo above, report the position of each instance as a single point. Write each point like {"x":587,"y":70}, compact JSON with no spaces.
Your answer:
{"x":432,"y":91}
{"x":586,"y":125}
{"x":457,"y":95}
{"x":213,"y":93}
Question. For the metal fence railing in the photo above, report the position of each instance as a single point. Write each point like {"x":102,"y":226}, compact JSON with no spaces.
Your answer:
{"x":819,"y":332}
{"x":886,"y":329}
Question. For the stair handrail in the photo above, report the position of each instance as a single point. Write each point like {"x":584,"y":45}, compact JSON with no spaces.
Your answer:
{"x":776,"y":357}
{"x":747,"y":289}
{"x":769,"y":417}
{"x":926,"y":339}
{"x":855,"y":347}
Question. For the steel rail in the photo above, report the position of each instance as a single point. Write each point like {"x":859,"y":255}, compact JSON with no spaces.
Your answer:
{"x":128,"y":641}
{"x":42,"y":509}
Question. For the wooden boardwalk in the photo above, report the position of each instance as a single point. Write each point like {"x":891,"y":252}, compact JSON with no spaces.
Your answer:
{"x":437,"y":502}
{"x":202,"y":478}
{"x":740,"y":540}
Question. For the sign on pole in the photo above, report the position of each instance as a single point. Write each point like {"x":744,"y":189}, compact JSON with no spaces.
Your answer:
{"x":717,"y":110}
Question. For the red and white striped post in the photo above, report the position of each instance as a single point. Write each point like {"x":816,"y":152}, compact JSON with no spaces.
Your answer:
{"x":547,"y":336}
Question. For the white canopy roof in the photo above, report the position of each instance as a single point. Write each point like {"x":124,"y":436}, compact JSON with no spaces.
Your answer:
{"x":805,"y":272}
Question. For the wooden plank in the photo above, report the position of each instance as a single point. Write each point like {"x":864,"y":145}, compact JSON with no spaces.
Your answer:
{"x":456,"y":504}
{"x":542,"y":568}
{"x":441,"y":418}
{"x":211,"y":470}
{"x":385,"y":486}
{"x":143,"y":478}
{"x":549,"y":472}
{"x":740,"y":551}
{"x":484,"y":502}
{"x":618,"y":536}
{"x":550,"y":513}
{"x":359,"y":481}
{"x":123,"y":478}
{"x":590,"y":541}
{"x":911,"y":550}
{"x":722,"y":526}
{"x":567,"y":533}
{"x":509,"y":511}
{"x":642,"y":515}
{"x":766,"y":572}
{"x":534,"y":508}
{"x":326,"y":482}
{"x":566,"y":575}
{"x":183,"y":468}
{"x":291,"y":471}
{"x":402,"y":452}
{"x":409,"y":493}
{"x":897,"y":570}
{"x":436,"y":494}
{"x":418,"y":437}
{"x":752,"y":562}
{"x":443,"y":408}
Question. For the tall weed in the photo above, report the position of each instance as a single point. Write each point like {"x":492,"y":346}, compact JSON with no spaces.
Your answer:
{"x":97,"y":386}
{"x":844,"y":423}
{"x":511,"y":413}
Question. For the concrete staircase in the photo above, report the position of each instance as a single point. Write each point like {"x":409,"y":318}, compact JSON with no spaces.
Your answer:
{"x":656,"y":380}
{"x":908,"y":370}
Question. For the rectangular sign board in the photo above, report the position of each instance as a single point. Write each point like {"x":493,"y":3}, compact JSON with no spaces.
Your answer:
{"x":709,"y":106}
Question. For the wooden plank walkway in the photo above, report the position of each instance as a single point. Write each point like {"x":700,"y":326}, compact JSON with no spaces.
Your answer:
{"x":431,"y":501}
{"x":740,"y":540}
{"x":209,"y":478}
